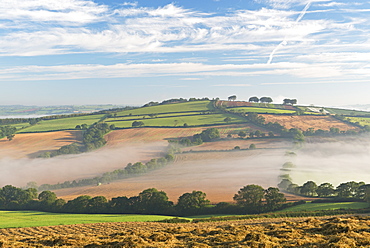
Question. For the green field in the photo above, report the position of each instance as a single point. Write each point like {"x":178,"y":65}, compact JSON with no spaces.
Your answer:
{"x":62,"y":124}
{"x":168,"y":108}
{"x":326,"y":206}
{"x":363,"y":121}
{"x":262,"y":110}
{"x":19,"y":125}
{"x":194,"y":120}
{"x":346,"y":112}
{"x":141,"y":117}
{"x":32,"y":218}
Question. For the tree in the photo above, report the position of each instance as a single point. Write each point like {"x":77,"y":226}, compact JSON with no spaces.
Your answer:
{"x":10,"y":137}
{"x":274,"y":199}
{"x":254,"y":99}
{"x":289,"y":101}
{"x":252,"y":146}
{"x":192,"y":201}
{"x":152,"y":201}
{"x":231,"y":98}
{"x":208,"y":134}
{"x":250,"y":196}
{"x":325,"y":190}
{"x":78,"y":127}
{"x":137,"y":124}
{"x":47,"y":197}
{"x":309,"y":188}
{"x":242,"y":134}
{"x":266,"y":99}
{"x":348,"y":189}
{"x":77,"y":205}
{"x":112,"y":127}
{"x":97,"y":204}
{"x":227,"y":119}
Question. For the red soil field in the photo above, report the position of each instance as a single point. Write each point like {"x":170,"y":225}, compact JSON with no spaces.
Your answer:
{"x":303,"y":122}
{"x":32,"y":144}
{"x":139,"y":135}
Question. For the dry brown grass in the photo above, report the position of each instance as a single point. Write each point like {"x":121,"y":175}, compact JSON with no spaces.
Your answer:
{"x":338,"y":232}
{"x":32,"y":144}
{"x":304,"y":122}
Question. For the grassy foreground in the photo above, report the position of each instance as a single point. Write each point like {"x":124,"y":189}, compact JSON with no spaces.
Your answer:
{"x":327,"y":206}
{"x":32,"y":218}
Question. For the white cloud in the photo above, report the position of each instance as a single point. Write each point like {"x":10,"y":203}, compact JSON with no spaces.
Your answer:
{"x":66,"y":11}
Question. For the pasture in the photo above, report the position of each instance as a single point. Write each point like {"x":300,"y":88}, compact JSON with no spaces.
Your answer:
{"x":195,"y":106}
{"x":261,"y":110}
{"x":11,"y":219}
{"x":61,"y":124}
{"x":326,"y":206}
{"x":362,"y":121}
{"x":192,"y":120}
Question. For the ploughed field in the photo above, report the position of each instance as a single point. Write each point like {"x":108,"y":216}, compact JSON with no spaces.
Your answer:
{"x":32,"y":144}
{"x":290,"y":232}
{"x":304,"y":122}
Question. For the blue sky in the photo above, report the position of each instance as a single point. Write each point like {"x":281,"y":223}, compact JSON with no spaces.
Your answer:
{"x":98,"y":52}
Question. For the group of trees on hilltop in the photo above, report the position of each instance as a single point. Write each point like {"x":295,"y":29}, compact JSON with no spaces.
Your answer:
{"x":249,"y":199}
{"x":352,"y":190}
{"x":175,"y":100}
{"x":290,"y":101}
{"x":264,"y":99}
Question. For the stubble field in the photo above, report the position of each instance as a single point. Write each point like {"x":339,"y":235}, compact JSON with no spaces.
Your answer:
{"x":293,"y":232}
{"x":303,"y":122}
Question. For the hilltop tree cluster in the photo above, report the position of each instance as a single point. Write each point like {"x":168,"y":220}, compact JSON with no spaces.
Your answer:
{"x":175,"y":100}
{"x":264,"y":99}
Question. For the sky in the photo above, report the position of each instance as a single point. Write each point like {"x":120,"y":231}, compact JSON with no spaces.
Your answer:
{"x":56,"y":52}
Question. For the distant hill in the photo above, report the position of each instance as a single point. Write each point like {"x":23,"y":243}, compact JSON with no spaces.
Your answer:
{"x":15,"y":111}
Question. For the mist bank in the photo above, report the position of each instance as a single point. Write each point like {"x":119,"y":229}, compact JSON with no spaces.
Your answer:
{"x":73,"y":167}
{"x":219,"y":174}
{"x":333,"y":162}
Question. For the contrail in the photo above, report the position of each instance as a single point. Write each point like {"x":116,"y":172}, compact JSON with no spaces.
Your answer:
{"x":284,"y":42}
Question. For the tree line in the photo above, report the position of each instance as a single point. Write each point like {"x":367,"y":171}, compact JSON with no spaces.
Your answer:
{"x":348,"y":190}
{"x":208,"y":135}
{"x":131,"y":169}
{"x":93,"y":138}
{"x":249,"y":199}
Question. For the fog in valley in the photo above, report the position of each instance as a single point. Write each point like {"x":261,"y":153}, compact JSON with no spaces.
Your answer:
{"x":72,"y":167}
{"x":335,"y":162}
{"x":219,"y":174}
